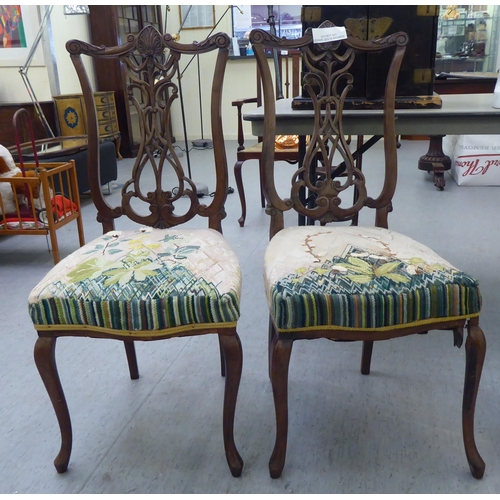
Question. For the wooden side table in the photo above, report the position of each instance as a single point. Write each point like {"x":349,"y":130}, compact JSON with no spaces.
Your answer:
{"x":70,"y":111}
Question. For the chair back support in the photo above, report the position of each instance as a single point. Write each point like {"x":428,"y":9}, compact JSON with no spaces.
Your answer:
{"x":286,"y":75}
{"x":290,"y":73}
{"x":158,"y":185}
{"x":327,"y":82}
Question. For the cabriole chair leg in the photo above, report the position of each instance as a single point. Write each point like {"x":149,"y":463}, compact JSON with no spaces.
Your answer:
{"x":241,"y":192}
{"x":45,"y":360}
{"x":233,"y":356}
{"x":475,"y":349}
{"x":279,"y":379}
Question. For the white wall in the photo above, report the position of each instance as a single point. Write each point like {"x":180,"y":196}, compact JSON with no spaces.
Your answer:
{"x":240,"y":76}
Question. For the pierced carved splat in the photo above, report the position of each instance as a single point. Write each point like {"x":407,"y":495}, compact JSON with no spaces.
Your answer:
{"x":152,"y":71}
{"x":334,"y":186}
{"x":327,"y":83}
{"x":151,"y":63}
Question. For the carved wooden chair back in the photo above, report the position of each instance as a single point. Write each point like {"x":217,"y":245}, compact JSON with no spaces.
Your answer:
{"x":326,"y":83}
{"x":343,"y":282}
{"x":157,"y":282}
{"x":151,"y":63}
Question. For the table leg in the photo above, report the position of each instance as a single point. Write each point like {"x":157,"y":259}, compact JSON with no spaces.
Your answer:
{"x":436,"y":161}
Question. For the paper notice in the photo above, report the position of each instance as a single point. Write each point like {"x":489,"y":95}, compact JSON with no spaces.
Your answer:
{"x":332,"y":34}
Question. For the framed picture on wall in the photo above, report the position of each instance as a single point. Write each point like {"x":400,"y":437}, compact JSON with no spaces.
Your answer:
{"x":19,"y":26}
{"x":197,"y":16}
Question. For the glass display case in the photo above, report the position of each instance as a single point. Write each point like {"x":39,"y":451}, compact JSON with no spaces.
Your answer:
{"x":247,"y":17}
{"x":467,"y":39}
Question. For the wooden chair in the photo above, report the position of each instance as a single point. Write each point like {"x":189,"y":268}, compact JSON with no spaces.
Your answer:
{"x":288,"y":72}
{"x":343,"y":282}
{"x":156,"y":282}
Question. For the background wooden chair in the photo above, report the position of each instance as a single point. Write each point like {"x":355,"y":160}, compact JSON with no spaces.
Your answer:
{"x":156,"y":282}
{"x":287,"y":81}
{"x":347,"y":282}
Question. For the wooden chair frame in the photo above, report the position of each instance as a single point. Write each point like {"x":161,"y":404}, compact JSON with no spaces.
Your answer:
{"x":151,"y":60}
{"x":321,"y":84}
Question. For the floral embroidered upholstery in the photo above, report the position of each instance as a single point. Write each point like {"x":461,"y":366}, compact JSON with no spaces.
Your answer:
{"x":150,"y":280}
{"x":365,"y":278}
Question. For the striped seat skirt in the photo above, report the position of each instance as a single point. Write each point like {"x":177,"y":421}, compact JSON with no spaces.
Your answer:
{"x":361,"y":278}
{"x":149,"y":280}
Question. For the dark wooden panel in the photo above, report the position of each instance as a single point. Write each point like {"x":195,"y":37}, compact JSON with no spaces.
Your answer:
{"x":472,"y":85}
{"x":420,"y":52}
{"x":104,"y":29}
{"x":7,"y":134}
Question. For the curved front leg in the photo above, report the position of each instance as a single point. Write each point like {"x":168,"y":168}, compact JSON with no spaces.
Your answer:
{"x":475,"y":349}
{"x":282,"y":351}
{"x":233,"y":357}
{"x":241,"y":192}
{"x":45,"y":359}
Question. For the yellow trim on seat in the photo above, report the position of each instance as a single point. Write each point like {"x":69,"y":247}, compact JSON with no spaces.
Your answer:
{"x":137,"y":333}
{"x":380,"y":329}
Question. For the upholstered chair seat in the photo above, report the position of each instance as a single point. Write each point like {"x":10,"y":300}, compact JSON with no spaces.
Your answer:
{"x":151,"y":280}
{"x":361,"y":278}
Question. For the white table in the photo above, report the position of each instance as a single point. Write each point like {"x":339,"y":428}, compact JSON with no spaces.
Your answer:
{"x":459,"y":114}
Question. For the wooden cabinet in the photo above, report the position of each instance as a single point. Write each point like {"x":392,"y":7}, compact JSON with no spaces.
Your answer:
{"x":109,"y":25}
{"x":416,"y":77}
{"x":72,"y":120}
{"x":107,"y":118}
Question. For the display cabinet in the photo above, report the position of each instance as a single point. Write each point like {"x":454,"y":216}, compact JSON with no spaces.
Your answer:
{"x":467,"y":39}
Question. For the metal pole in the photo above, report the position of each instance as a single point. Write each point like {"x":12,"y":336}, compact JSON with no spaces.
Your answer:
{"x":184,"y":124}
{"x":23,"y":70}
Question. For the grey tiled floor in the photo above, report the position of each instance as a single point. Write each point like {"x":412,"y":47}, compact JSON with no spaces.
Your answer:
{"x":395,"y":431}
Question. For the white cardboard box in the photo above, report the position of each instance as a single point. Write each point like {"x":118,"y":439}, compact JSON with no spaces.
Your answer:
{"x":475,"y":159}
